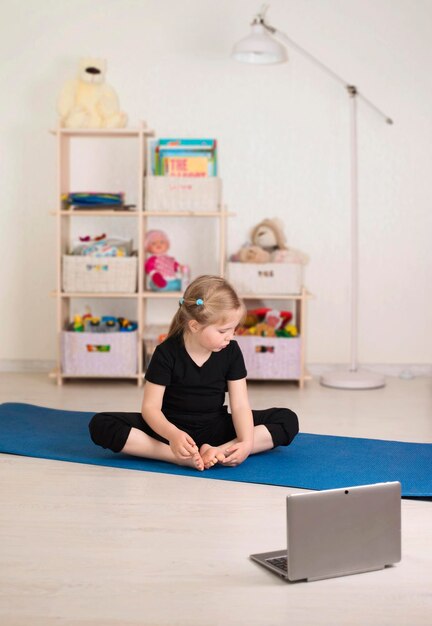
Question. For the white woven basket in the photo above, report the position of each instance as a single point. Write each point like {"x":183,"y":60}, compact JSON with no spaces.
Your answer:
{"x":266,"y":278}
{"x":99,"y":354}
{"x":171,"y":193}
{"x":271,"y":358}
{"x":99,"y":274}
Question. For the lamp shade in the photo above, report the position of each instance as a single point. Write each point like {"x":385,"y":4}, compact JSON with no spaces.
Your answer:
{"x":259,"y":47}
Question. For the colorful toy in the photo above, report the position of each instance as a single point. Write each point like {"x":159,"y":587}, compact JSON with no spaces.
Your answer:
{"x":78,"y":324}
{"x":88,"y":238}
{"x":93,"y":325}
{"x":105,"y":324}
{"x":163,"y":271}
{"x":126,"y":325}
{"x":103,"y":246}
{"x":264,"y":330}
{"x":265,"y":322}
{"x":88,"y":101}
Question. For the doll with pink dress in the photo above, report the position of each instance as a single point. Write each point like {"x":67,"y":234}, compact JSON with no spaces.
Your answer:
{"x":163,"y":272}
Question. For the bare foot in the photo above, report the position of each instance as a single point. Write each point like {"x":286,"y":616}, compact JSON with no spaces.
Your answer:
{"x":210,"y":455}
{"x":194,"y":461}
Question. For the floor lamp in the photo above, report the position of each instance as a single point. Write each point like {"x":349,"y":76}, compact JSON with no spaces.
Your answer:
{"x":261,"y":48}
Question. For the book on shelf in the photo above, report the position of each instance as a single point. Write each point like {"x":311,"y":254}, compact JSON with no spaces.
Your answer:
{"x":182,"y":165}
{"x":183,"y":157}
{"x":101,"y":207}
{"x":94,"y":201}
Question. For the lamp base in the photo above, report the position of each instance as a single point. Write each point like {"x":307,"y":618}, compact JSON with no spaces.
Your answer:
{"x":353,"y":379}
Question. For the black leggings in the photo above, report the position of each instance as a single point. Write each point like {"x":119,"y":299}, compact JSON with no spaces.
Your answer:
{"x":111,"y":430}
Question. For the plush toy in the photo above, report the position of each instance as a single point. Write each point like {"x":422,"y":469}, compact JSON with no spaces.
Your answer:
{"x":163,"y":271}
{"x":270,"y":236}
{"x":253,"y":254}
{"x":268,"y":245}
{"x":266,"y":237}
{"x":274,"y":319}
{"x":290,"y":256}
{"x":88,"y":102}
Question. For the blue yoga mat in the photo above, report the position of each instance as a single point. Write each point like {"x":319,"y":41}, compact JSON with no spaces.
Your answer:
{"x":310,"y":462}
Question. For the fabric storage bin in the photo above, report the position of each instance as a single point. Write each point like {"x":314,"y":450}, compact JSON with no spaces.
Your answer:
{"x":99,"y":274}
{"x":172,"y":193}
{"x":266,"y":278}
{"x":271,"y":358}
{"x":99,"y":354}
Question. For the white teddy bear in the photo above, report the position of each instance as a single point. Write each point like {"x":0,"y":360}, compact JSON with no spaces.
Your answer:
{"x":88,"y":102}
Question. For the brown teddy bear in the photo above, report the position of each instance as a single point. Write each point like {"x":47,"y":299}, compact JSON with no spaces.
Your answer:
{"x":253,"y":254}
{"x":268,"y":245}
{"x":270,"y":236}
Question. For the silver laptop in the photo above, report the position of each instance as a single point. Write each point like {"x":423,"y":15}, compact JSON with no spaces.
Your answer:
{"x":339,"y":532}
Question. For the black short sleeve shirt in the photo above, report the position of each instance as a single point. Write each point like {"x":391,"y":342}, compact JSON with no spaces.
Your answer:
{"x":192,"y":389}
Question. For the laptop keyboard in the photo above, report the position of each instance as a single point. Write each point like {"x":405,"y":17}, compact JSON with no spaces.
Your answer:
{"x":280,"y":562}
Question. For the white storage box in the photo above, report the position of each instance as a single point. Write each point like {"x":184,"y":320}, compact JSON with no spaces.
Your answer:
{"x":171,"y":193}
{"x":99,"y":354}
{"x":99,"y":274}
{"x":266,"y":278}
{"x":271,"y":358}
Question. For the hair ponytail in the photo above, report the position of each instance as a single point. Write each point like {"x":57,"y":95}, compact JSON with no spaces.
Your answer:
{"x":207,"y":300}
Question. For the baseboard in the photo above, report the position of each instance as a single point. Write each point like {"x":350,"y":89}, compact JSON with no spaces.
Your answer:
{"x":26,"y":365}
{"x":402,"y":370}
{"x":397,"y":370}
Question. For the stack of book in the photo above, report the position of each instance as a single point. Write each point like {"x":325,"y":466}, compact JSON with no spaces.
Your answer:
{"x":90,"y":200}
{"x":184,"y":157}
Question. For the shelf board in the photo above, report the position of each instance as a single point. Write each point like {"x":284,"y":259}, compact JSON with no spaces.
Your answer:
{"x":187,"y":214}
{"x":108,"y":213}
{"x":175,"y":294}
{"x":161,"y":294}
{"x":102,"y":132}
{"x":272,"y":296}
{"x":54,"y":373}
{"x":93,"y":294}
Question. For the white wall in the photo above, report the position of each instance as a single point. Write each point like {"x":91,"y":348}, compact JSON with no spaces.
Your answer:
{"x":284,"y":147}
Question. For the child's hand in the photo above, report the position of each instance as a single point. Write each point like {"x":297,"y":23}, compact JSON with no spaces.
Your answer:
{"x":182,"y":445}
{"x":237,"y":453}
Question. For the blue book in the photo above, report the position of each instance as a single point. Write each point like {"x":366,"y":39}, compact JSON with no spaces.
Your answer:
{"x":190,"y":144}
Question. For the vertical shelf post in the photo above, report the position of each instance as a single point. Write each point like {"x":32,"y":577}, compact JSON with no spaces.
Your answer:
{"x":63,"y":229}
{"x":140,"y":287}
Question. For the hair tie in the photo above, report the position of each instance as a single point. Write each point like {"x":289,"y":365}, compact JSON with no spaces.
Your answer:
{"x":199,"y":302}
{"x":181,"y":301}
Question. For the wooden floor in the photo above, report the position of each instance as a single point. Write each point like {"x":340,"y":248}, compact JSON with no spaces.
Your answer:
{"x":98,"y":546}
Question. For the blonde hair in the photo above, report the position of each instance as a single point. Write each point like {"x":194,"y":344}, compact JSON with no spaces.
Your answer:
{"x":216,"y":299}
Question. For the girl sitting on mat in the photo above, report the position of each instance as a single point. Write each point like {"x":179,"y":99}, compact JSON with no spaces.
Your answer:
{"x":183,"y":418}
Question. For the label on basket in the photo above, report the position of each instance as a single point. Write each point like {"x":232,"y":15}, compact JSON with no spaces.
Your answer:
{"x":264,"y":349}
{"x":98,"y":268}
{"x":97,"y":348}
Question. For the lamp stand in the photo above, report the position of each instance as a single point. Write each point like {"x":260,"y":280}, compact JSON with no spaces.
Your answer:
{"x":353,"y":377}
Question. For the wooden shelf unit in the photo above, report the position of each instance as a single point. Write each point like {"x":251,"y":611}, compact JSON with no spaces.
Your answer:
{"x":141,"y":135}
{"x":63,"y":217}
